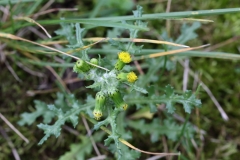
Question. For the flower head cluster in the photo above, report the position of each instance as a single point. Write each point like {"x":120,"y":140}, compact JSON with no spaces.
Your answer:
{"x":108,"y":82}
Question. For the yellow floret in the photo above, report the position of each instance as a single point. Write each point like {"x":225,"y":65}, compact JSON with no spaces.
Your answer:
{"x":131,"y":77}
{"x":124,"y":57}
{"x":125,"y":106}
{"x":97,"y":114}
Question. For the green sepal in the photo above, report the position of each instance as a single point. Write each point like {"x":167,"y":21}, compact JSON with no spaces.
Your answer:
{"x":119,"y":65}
{"x":118,"y":100}
{"x":122,"y":76}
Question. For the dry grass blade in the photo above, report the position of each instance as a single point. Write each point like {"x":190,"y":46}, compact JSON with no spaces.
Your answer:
{"x":153,"y":153}
{"x":32,"y":21}
{"x":10,"y":36}
{"x":53,"y":42}
{"x":135,"y":40}
{"x":169,"y":52}
{"x":192,"y":19}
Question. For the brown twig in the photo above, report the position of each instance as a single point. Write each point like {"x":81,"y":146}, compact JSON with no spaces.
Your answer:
{"x":13,"y":128}
{"x":47,"y":5}
{"x":73,"y":131}
{"x":168,"y":25}
{"x":98,"y":157}
{"x":12,"y":71}
{"x":26,"y":69}
{"x":222,"y":112}
{"x":90,"y":135}
{"x":185,"y":74}
{"x":5,"y":11}
{"x":219,"y":45}
{"x":10,"y":143}
{"x":53,"y":10}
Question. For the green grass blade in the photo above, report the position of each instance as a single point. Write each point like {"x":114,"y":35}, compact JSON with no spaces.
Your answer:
{"x":42,"y":63}
{"x":173,"y":14}
{"x":33,"y":7}
{"x":5,"y":2}
{"x":203,"y":54}
{"x":219,"y":55}
{"x":91,"y":22}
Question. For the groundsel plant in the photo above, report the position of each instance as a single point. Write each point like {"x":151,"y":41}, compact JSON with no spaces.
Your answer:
{"x":116,"y":90}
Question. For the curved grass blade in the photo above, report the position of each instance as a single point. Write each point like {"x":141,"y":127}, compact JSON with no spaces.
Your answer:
{"x":34,"y":22}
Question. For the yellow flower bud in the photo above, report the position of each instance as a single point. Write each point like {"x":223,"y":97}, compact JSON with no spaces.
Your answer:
{"x":131,"y":77}
{"x":125,"y":57}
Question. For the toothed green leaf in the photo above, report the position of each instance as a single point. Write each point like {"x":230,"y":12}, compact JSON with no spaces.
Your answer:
{"x":41,"y":110}
{"x":156,"y":129}
{"x":188,"y":100}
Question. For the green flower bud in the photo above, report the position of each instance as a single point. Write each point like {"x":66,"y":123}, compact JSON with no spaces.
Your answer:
{"x":82,"y":65}
{"x":130,"y":77}
{"x":94,"y":61}
{"x":118,"y":100}
{"x":123,"y":58}
{"x":99,"y":104}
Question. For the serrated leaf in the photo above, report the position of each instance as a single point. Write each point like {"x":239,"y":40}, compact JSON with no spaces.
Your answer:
{"x":154,"y":65}
{"x":78,"y":151}
{"x":79,"y":32}
{"x":55,"y":110}
{"x":74,"y":120}
{"x":41,"y":110}
{"x":108,"y":141}
{"x":71,"y":115}
{"x":136,"y":88}
{"x":94,"y":85}
{"x":188,"y":100}
{"x":67,"y":31}
{"x":121,"y":127}
{"x":138,"y":12}
{"x":188,"y":32}
{"x":156,"y":129}
{"x":127,"y":154}
{"x":119,"y":45}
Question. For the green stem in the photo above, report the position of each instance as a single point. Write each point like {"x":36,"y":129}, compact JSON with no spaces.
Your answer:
{"x":184,"y":125}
